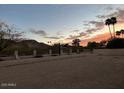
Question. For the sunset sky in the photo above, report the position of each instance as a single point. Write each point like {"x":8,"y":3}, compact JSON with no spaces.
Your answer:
{"x":63,"y":23}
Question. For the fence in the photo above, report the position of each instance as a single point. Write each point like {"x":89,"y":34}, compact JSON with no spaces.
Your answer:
{"x":17,"y":54}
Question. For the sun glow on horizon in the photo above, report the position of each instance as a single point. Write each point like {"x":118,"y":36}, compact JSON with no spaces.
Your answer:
{"x":63,"y":23}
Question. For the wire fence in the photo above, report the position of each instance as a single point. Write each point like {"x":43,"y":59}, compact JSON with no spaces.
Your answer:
{"x":35,"y":53}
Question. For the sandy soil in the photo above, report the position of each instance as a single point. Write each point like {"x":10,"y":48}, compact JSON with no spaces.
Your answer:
{"x":69,"y":71}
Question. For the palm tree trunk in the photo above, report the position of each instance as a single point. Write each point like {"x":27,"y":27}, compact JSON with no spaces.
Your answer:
{"x":114,"y":30}
{"x":110,"y":31}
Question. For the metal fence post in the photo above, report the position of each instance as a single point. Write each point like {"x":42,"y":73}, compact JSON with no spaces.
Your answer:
{"x":34,"y":53}
{"x":61,"y":51}
{"x":70,"y":50}
{"x":50,"y":52}
{"x":16,"y":54}
{"x":78,"y":51}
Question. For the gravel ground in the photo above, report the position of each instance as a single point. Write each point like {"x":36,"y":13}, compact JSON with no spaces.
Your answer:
{"x":79,"y":71}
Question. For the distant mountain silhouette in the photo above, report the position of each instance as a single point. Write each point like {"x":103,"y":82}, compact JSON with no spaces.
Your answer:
{"x":25,"y":44}
{"x":25,"y":47}
{"x":33,"y":44}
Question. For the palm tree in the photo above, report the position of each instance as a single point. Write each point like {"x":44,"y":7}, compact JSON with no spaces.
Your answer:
{"x":122,"y":32}
{"x":118,"y":33}
{"x":113,"y":22}
{"x":108,"y":22}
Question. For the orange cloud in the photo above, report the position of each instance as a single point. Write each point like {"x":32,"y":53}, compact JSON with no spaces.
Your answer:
{"x":100,"y":28}
{"x":97,"y":38}
{"x":104,"y":36}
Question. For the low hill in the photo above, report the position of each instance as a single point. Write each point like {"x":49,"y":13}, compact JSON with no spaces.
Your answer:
{"x":33,"y":44}
{"x":25,"y":47}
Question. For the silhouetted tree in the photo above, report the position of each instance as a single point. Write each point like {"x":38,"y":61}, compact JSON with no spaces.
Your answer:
{"x":122,"y":32}
{"x":3,"y":34}
{"x":116,"y":43}
{"x":102,"y":44}
{"x":108,"y":23}
{"x":93,"y":45}
{"x":113,"y":22}
{"x":7,"y":33}
{"x":118,"y":33}
{"x":76,"y":42}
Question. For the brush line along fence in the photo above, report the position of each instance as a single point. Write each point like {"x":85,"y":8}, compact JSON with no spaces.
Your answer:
{"x":48,"y":52}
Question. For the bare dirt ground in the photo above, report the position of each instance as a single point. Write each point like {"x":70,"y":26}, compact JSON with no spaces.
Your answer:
{"x":82,"y":71}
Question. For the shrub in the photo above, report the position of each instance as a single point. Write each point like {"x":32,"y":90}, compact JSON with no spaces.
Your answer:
{"x":116,"y":43}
